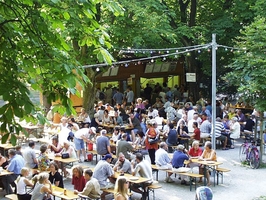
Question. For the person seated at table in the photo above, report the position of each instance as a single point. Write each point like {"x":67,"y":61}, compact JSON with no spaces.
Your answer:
{"x":30,"y":156}
{"x":78,"y":179}
{"x":18,"y":150}
{"x":143,"y":168}
{"x":180,"y":155}
{"x":196,"y":133}
{"x":106,"y":118}
{"x":195,"y":152}
{"x":43,"y":160}
{"x":22,"y":183}
{"x":72,"y":154}
{"x":103,"y":144}
{"x":3,"y":161}
{"x":43,"y":188}
{"x":163,"y":160}
{"x":116,"y":134}
{"x":16,"y":163}
{"x":121,"y":188}
{"x":104,"y":173}
{"x":219,"y":129}
{"x":54,"y":176}
{"x":55,"y":146}
{"x":92,"y":187}
{"x":140,"y":143}
{"x":172,"y":138}
{"x":182,"y":132}
{"x":234,"y":129}
{"x":83,"y":115}
{"x":208,"y":154}
{"x":118,"y":120}
{"x":124,"y":147}
{"x":122,"y":164}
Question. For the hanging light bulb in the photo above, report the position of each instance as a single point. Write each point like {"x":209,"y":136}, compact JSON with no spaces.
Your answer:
{"x":209,"y":50}
{"x":97,"y":69}
{"x":199,"y":51}
{"x":152,"y":60}
{"x":176,"y":51}
{"x":167,"y":51}
{"x":139,"y":62}
{"x":226,"y":49}
{"x":126,"y":65}
{"x":164,"y":58}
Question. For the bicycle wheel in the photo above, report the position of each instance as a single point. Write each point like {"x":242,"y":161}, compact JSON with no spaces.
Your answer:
{"x":254,"y":159}
{"x":242,"y":153}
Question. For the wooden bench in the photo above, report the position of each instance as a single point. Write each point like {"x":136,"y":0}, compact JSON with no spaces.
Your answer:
{"x":11,"y":196}
{"x":152,"y":188}
{"x":112,"y":191}
{"x":192,"y":176}
{"x":220,"y":171}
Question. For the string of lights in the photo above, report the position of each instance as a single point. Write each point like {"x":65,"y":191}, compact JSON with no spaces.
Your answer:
{"x":164,"y":56}
{"x":151,"y":58}
{"x":125,"y":50}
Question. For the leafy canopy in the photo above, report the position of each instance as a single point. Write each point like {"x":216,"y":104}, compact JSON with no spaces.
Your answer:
{"x":37,"y":51}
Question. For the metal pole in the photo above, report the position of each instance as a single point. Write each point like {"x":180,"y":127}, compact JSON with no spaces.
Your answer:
{"x":214,"y":46}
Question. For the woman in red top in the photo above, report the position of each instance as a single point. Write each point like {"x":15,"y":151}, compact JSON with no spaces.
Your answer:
{"x":151,"y":134}
{"x":78,"y":179}
{"x":196,"y":133}
{"x":195,"y":152}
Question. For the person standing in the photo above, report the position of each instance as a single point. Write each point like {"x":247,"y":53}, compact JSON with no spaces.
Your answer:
{"x":15,"y":165}
{"x":129,"y":96}
{"x":151,"y":134}
{"x":79,"y":137}
{"x":118,"y":97}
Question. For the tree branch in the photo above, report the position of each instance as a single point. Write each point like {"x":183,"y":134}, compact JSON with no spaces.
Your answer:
{"x":10,"y":20}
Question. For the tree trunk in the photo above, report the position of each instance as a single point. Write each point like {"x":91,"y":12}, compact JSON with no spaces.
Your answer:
{"x":89,"y":93}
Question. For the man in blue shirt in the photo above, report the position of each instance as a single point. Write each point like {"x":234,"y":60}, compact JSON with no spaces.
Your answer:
{"x":15,"y":166}
{"x":180,"y":155}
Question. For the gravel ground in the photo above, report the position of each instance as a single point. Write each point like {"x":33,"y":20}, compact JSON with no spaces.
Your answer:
{"x":241,"y":182}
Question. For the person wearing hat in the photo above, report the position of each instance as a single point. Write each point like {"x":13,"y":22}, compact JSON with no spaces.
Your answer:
{"x":180,"y":155}
{"x":79,"y":137}
{"x":104,"y":173}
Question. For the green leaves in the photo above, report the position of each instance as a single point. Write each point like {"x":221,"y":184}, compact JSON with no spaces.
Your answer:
{"x":249,"y":65}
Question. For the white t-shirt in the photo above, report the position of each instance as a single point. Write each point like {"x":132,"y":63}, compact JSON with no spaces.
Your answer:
{"x":82,"y":132}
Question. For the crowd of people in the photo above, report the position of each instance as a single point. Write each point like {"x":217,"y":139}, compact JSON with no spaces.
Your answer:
{"x":155,"y":126}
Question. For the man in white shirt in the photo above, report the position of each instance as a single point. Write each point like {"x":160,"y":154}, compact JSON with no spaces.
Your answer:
{"x":163,"y":160}
{"x":79,"y":137}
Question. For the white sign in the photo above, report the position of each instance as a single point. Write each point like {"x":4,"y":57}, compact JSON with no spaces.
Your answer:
{"x":191,"y":77}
